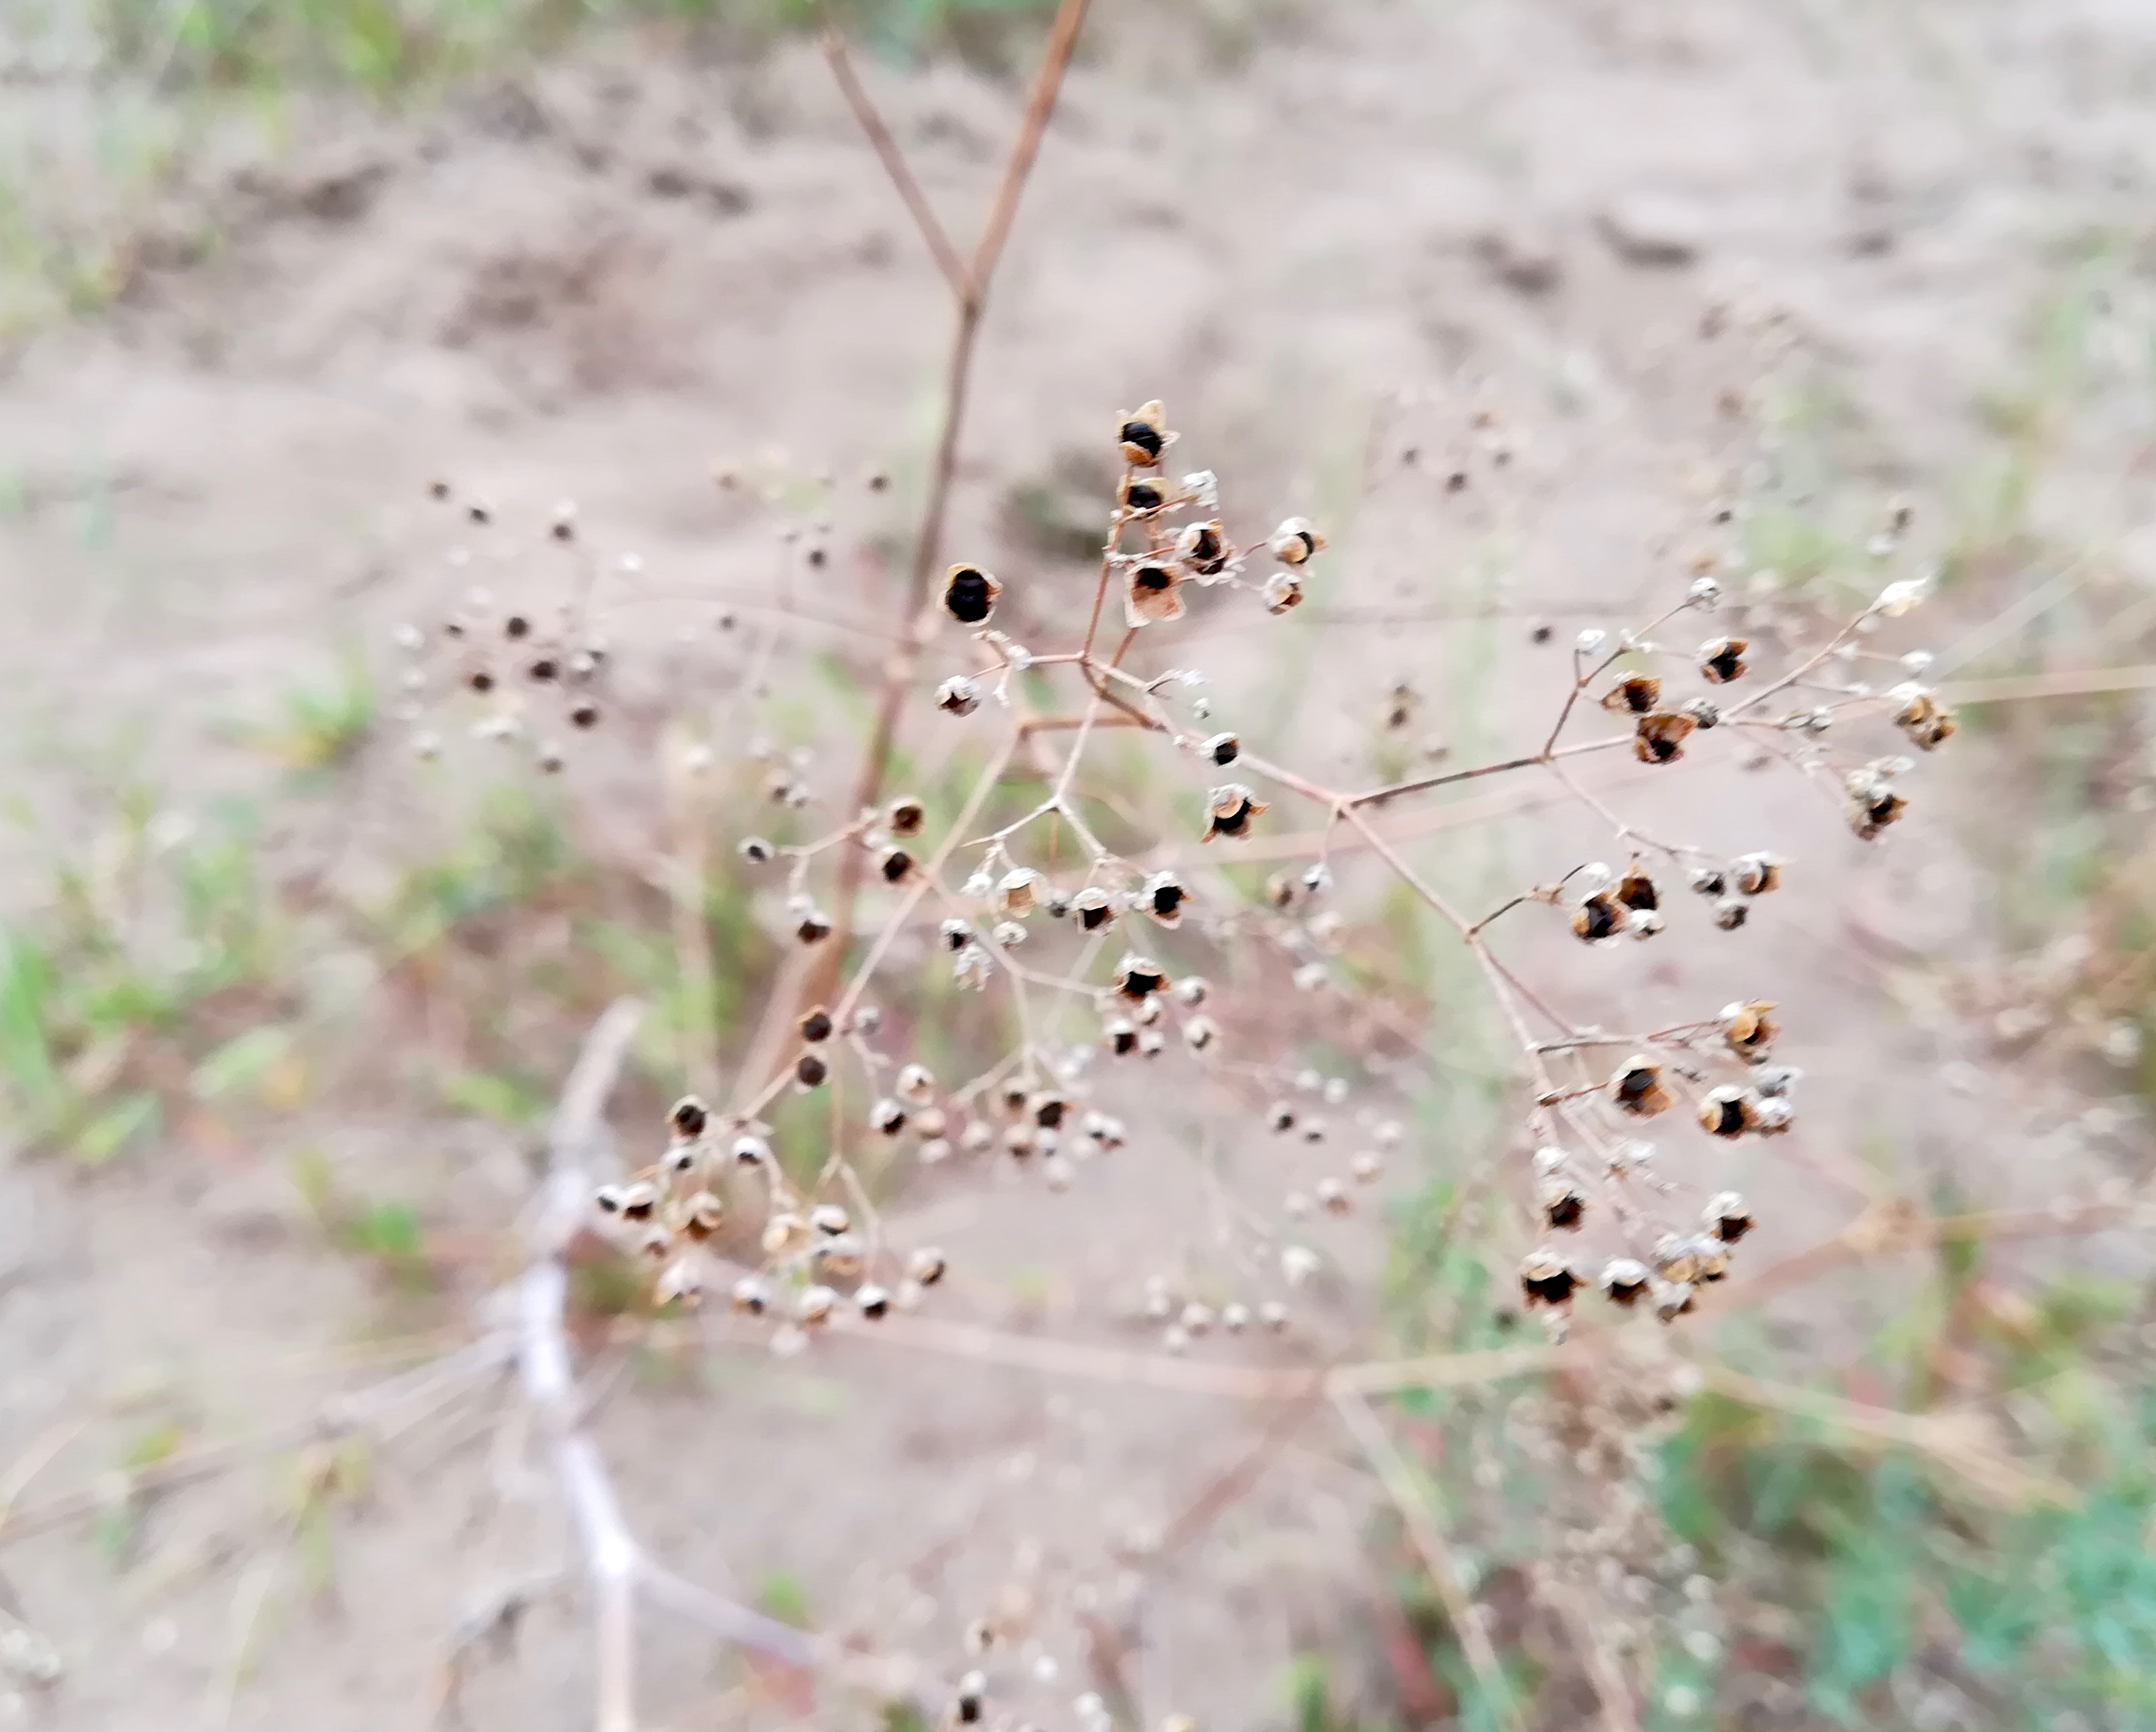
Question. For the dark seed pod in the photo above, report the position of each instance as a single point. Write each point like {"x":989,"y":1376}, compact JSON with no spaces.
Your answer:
{"x":1638,"y":1088}
{"x":1623,"y":1281}
{"x":1660,"y":738}
{"x":1546,"y":1278}
{"x":1637,"y":891}
{"x":1599,"y":916}
{"x":1563,"y":1203}
{"x":1138,"y":977}
{"x":816,"y":1026}
{"x":1223,"y":748}
{"x":704,"y":1215}
{"x":813,"y":927}
{"x":1708,"y":881}
{"x":1726,"y":1216}
{"x":545,"y":668}
{"x":1728,"y":1112}
{"x":584,"y":715}
{"x":1722,"y":660}
{"x":895,"y":866}
{"x":516,"y":626}
{"x":689,"y":1117}
{"x":479,"y":680}
{"x":1926,"y":721}
{"x":1202,"y":547}
{"x":1730,"y":913}
{"x":810,"y":1071}
{"x":1637,"y":692}
{"x":1142,"y":496}
{"x":1749,"y":1030}
{"x":1705,"y":712}
{"x":925,"y":1267}
{"x":873,"y":1302}
{"x":970,"y":594}
{"x":1229,"y":809}
{"x":1121,"y":1035}
{"x":1164,"y":896}
{"x":1142,"y":435}
{"x":905,"y":816}
{"x":1094,"y":907}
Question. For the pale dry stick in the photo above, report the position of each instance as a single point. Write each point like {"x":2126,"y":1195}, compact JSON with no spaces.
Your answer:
{"x":248,"y":1601}
{"x":613,"y":1561}
{"x":1430,"y":1543}
{"x":1950,"y":1440}
{"x":871,"y":123}
{"x":337,"y":1416}
{"x":915,"y":618}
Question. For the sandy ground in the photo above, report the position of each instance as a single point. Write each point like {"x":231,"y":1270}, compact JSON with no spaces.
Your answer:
{"x":1323,"y":237}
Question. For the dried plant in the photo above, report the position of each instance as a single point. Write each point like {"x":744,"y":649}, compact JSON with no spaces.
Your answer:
{"x":1107,"y":941}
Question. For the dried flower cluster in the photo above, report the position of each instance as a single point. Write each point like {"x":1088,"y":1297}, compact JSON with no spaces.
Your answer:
{"x":1042,"y":909}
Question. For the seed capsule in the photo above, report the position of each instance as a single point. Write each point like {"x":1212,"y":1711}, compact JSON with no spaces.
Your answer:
{"x":1142,"y":495}
{"x":1623,"y":1281}
{"x":1726,"y":1216}
{"x":752,"y":1295}
{"x":888,"y":1117}
{"x":925,"y":1266}
{"x":689,"y":1117}
{"x":1722,"y":660}
{"x":1229,"y":809}
{"x":1295,"y":542}
{"x":1638,"y":1088}
{"x":1142,"y":435}
{"x":1873,"y":803}
{"x":1202,"y":547}
{"x":1563,"y":1205}
{"x":895,"y":866}
{"x":1599,"y":916}
{"x":704,"y":1215}
{"x":814,"y":1306}
{"x":812,"y":927}
{"x":1677,"y":1258}
{"x":1138,"y":977}
{"x":1222,"y":749}
{"x":970,"y":594}
{"x":874,"y":1301}
{"x":1707,"y":880}
{"x":1757,"y":875}
{"x":1730,"y":913}
{"x":1547,"y":1279}
{"x":810,"y":1071}
{"x":816,"y":1026}
{"x":1163,"y":897}
{"x":1637,"y":692}
{"x":959,"y":695}
{"x":915,"y":1085}
{"x":1637,"y":891}
{"x":750,"y":1150}
{"x":1749,"y":1030}
{"x":1729,"y":1112}
{"x":1150,"y":591}
{"x":1660,"y":738}
{"x":1926,"y":721}
{"x":1281,"y":592}
{"x":1095,"y":907}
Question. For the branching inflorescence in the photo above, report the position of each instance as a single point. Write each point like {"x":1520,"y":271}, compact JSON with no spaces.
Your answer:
{"x":1089,"y":937}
